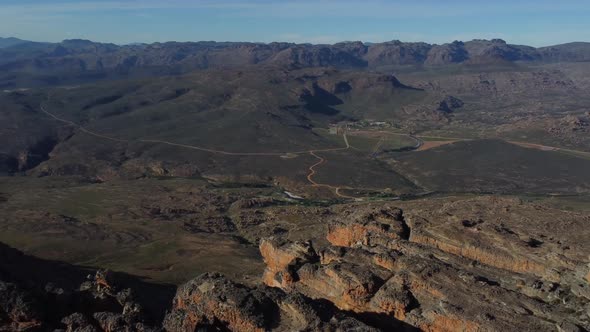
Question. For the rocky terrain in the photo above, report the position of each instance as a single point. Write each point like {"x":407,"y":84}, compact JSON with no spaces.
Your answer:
{"x":42,"y":295}
{"x":387,"y":265}
{"x":81,"y":60}
{"x":265,"y":113}
{"x":476,"y":264}
{"x":294,"y":187}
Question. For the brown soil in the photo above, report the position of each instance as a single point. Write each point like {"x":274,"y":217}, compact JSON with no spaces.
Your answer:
{"x":433,"y":144}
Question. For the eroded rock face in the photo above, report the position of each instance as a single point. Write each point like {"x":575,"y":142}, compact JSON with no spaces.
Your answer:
{"x":445,"y":54}
{"x":212,"y":302}
{"x":505,"y":233}
{"x":283,"y":261}
{"x":399,"y":271}
{"x":368,"y":227}
{"x":462,"y":264}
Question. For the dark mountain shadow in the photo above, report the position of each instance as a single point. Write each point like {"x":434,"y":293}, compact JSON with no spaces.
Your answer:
{"x":36,"y":275}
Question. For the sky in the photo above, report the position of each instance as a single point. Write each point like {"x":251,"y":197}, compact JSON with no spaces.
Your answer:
{"x":530,"y":22}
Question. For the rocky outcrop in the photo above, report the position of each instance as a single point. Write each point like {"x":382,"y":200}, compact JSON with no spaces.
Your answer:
{"x":212,"y":302}
{"x":445,"y":54}
{"x":495,"y":232}
{"x":491,"y":257}
{"x":463,"y":264}
{"x":19,"y":310}
{"x":283,"y":261}
{"x":506,"y":85}
{"x":397,"y":53}
{"x":369,"y":227}
{"x":97,"y":304}
{"x":318,"y":56}
{"x":497,"y":50}
{"x":388,"y":275}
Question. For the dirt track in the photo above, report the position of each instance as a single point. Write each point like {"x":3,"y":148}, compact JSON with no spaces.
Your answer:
{"x":427,"y":145}
{"x":194,"y":147}
{"x":312,"y":171}
{"x":534,"y":146}
{"x":549,"y":148}
{"x":423,"y":145}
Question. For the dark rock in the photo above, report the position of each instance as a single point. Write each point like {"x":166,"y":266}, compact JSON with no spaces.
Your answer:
{"x":450,"y":104}
{"x":77,"y":322}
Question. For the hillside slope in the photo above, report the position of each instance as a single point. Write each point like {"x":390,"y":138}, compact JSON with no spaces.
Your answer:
{"x":74,"y":61}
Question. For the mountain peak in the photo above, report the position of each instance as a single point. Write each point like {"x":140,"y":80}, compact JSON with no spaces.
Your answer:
{"x":10,"y":41}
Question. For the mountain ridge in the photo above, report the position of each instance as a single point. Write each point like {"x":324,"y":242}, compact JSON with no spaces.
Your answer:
{"x":11,"y":41}
{"x":358,"y":54}
{"x":75,"y":61}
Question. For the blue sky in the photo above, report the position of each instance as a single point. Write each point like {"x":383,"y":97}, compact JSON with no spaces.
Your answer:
{"x":537,"y":23}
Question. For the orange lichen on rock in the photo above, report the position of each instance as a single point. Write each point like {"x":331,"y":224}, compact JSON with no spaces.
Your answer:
{"x":393,"y":307}
{"x":212,"y":302}
{"x":393,"y":276}
{"x":236,"y":321}
{"x":351,"y":235}
{"x":347,"y":236}
{"x":442,"y":323}
{"x":212,"y":299}
{"x":357,"y":235}
{"x":520,"y":265}
{"x":347,"y":289}
{"x":392,"y":298}
{"x":418,"y":286}
{"x":278,"y":259}
{"x":384,"y":261}
{"x":368,"y":228}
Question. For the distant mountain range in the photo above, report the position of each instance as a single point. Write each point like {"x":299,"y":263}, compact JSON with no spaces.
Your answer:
{"x":10,"y":41}
{"x":81,"y":60}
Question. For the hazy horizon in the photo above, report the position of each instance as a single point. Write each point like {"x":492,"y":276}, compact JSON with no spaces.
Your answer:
{"x":534,"y":23}
{"x":279,"y":41}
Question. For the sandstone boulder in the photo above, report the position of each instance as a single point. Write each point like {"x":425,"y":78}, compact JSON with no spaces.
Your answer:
{"x":212,"y":302}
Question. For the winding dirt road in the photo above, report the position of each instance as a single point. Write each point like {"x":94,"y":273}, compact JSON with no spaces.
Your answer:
{"x":193,"y":147}
{"x":586,"y":154}
{"x":312,"y":171}
{"x":420,"y":145}
{"x":81,"y":128}
{"x":322,"y":160}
